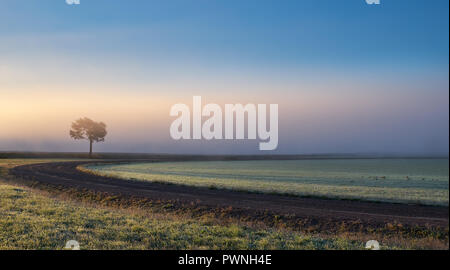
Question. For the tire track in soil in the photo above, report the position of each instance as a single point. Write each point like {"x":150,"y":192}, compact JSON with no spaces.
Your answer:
{"x":66,"y":174}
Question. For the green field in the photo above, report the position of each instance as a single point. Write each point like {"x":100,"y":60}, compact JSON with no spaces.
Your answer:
{"x":422,"y":181}
{"x":31,"y":219}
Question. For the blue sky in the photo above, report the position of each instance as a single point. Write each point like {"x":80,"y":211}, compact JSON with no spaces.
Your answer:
{"x":396,"y":49}
{"x":351,"y":34}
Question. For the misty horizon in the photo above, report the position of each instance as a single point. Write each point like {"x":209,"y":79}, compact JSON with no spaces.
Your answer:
{"x":375,"y":81}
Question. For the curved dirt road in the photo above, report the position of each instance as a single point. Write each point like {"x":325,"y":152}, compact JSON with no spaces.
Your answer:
{"x":65,"y":174}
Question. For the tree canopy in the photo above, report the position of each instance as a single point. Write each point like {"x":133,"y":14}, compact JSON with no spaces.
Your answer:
{"x":85,"y":128}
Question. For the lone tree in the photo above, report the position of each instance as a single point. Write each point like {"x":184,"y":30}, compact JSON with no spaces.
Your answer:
{"x":85,"y":128}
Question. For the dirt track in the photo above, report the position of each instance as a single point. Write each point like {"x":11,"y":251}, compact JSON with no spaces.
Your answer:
{"x":65,"y":174}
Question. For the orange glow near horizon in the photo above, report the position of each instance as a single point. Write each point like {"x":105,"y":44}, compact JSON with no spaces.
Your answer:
{"x":141,"y":116}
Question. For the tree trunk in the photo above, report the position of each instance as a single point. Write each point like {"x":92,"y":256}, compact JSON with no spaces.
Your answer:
{"x":90,"y":148}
